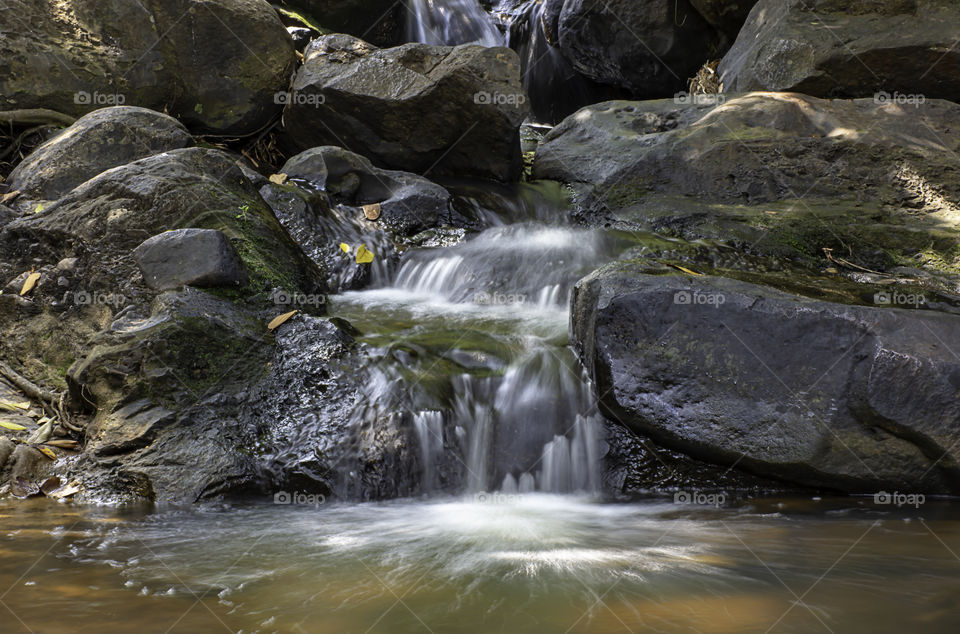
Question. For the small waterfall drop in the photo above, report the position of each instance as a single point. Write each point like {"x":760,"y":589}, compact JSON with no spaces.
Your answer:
{"x":451,"y":22}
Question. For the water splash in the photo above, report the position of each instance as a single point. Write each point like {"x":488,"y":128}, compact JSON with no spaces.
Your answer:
{"x":451,"y":22}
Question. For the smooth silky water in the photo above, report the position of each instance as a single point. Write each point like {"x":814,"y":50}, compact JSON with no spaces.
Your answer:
{"x":504,"y":563}
{"x":509,"y":529}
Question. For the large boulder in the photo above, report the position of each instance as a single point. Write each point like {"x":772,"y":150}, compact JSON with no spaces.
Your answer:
{"x":101,"y":140}
{"x":442,"y":110}
{"x":781,"y":174}
{"x":845,"y":397}
{"x":216,"y":65}
{"x":896,"y":49}
{"x":648,"y":48}
{"x":405,"y":203}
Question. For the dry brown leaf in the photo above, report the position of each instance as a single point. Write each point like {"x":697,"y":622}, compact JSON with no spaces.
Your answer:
{"x":63,"y":444}
{"x":71,"y":489}
{"x":281,"y":319}
{"x":14,"y":406}
{"x":278,"y":179}
{"x":29,"y":283}
{"x":372,"y":212}
{"x":10,"y":196}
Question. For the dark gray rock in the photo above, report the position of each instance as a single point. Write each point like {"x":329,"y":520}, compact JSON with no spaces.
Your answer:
{"x":408,"y":203}
{"x":649,"y":48}
{"x":99,"y":141}
{"x":842,"y":397}
{"x":98,"y":53}
{"x":843,"y":48}
{"x":194,"y":257}
{"x":442,"y":110}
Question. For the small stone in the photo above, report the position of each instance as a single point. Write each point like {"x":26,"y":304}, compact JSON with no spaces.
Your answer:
{"x":194,"y":257}
{"x":67,"y":264}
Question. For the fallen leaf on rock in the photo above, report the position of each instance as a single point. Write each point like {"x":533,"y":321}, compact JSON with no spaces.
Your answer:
{"x":12,"y":426}
{"x":50,"y":485}
{"x":10,"y":196}
{"x":42,"y":434}
{"x":345,"y":247}
{"x":278,"y":179}
{"x":63,"y":444}
{"x":14,"y":406}
{"x":71,"y":489}
{"x":281,"y":319}
{"x":364,"y":256}
{"x":29,"y":283}
{"x":685,"y":270}
{"x":372,"y":212}
{"x":48,"y":452}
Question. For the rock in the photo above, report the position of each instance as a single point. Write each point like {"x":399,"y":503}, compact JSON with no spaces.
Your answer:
{"x":195,"y":257}
{"x":727,"y":16}
{"x":648,"y":48}
{"x":126,"y":52}
{"x":6,"y":450}
{"x":842,"y":397}
{"x":895,"y":49}
{"x":101,"y":140}
{"x":407,"y":203}
{"x":378,"y":21}
{"x":372,"y":102}
{"x":774,"y":174}
{"x":111,"y":214}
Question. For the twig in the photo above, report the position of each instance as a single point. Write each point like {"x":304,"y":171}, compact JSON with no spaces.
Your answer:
{"x":36,"y":116}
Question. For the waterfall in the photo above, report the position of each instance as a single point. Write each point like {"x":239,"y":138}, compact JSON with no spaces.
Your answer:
{"x":451,"y":22}
{"x":527,"y":419}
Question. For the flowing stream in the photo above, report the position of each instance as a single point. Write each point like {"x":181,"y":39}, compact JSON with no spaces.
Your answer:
{"x":505,"y":528}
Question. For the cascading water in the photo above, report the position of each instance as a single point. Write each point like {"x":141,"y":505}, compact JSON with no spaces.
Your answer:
{"x":555,"y":89}
{"x":451,"y":22}
{"x":472,"y":342}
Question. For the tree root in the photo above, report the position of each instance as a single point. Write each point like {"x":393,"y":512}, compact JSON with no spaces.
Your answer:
{"x":36,"y":116}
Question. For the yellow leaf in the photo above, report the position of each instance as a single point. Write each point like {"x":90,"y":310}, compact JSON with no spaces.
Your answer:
{"x":48,"y":452}
{"x":30,"y":282}
{"x":278,"y":179}
{"x":281,"y":319}
{"x":364,"y":256}
{"x":12,"y":406}
{"x":345,"y":247}
{"x":372,"y":212}
{"x":685,"y":270}
{"x":12,"y":426}
{"x":63,"y":444}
